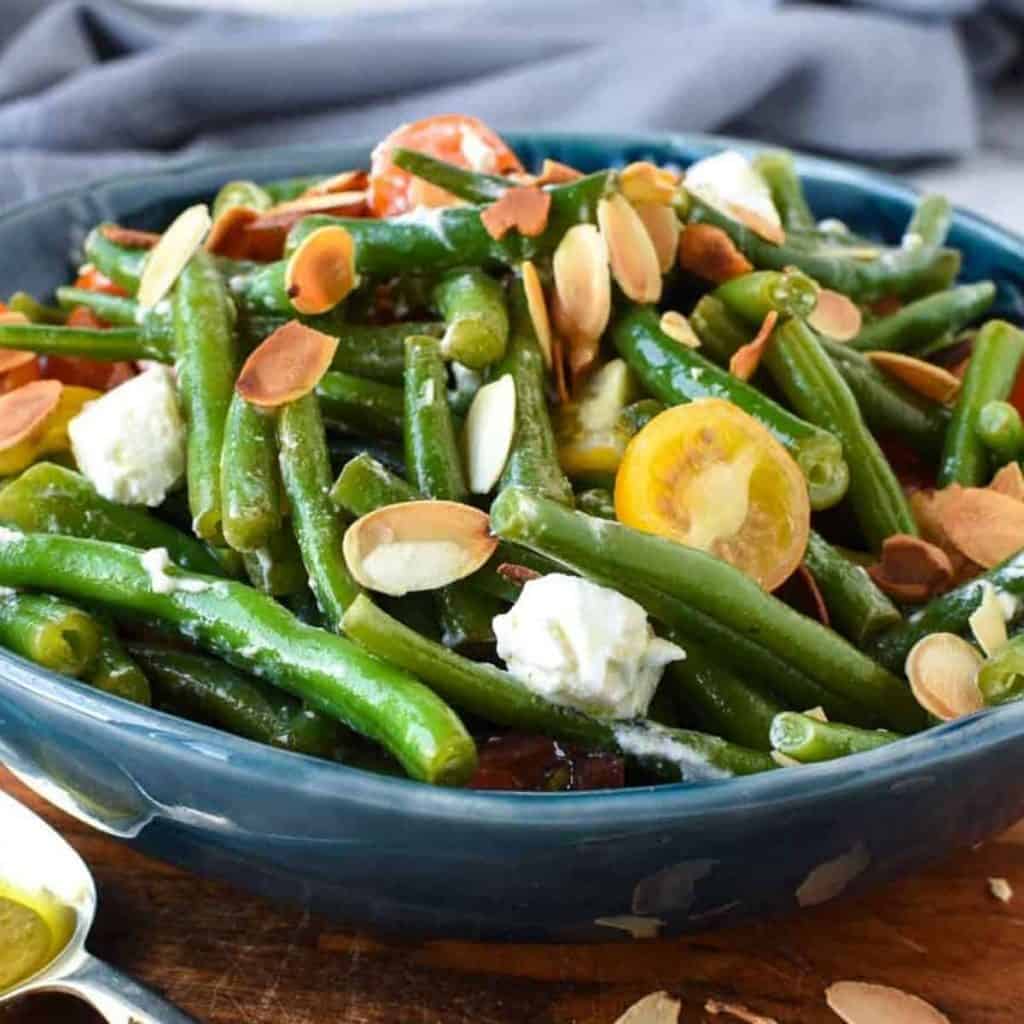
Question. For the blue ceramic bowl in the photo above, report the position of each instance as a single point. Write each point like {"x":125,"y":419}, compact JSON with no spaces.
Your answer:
{"x":396,"y":855}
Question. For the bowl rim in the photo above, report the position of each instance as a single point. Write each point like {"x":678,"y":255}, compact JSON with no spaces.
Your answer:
{"x":914,"y":755}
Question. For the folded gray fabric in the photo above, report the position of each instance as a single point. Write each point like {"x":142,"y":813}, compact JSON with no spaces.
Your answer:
{"x":89,"y":87}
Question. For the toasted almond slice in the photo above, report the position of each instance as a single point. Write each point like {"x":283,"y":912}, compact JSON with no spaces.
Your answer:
{"x":631,"y":252}
{"x":745,"y":360}
{"x":286,"y":365}
{"x":929,"y":508}
{"x":554,"y":173}
{"x":524,"y":208}
{"x":836,"y":316}
{"x":643,"y":182}
{"x":1000,"y":889}
{"x":716,"y":1006}
{"x":26,"y":409}
{"x":656,"y":1008}
{"x":818,"y":713}
{"x":925,"y":378}
{"x":229,"y":235}
{"x":817,"y":598}
{"x":490,"y":427}
{"x":12,"y":316}
{"x":987,"y":622}
{"x":1009,"y":481}
{"x":417,"y":545}
{"x":858,"y":1002}
{"x":167,"y":259}
{"x":583,"y":299}
{"x":710,"y":253}
{"x":985,"y":526}
{"x":784,"y":760}
{"x":538,"y":308}
{"x":12,"y":358}
{"x":518,"y":574}
{"x":663,"y":229}
{"x":130,"y":238}
{"x":322,"y":271}
{"x":284,"y":215}
{"x":345,"y":181}
{"x":943,"y":673}
{"x":911,"y":569}
{"x":678,"y":328}
{"x":761,"y":226}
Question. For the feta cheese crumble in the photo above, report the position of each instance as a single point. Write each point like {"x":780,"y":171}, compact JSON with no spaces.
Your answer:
{"x":130,"y":444}
{"x":729,"y":179}
{"x":584,"y":646}
{"x":156,"y":562}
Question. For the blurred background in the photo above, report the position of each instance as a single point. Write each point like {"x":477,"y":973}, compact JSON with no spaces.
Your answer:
{"x":933,"y":89}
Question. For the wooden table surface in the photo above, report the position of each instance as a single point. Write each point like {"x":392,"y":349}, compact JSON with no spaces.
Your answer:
{"x":229,"y":958}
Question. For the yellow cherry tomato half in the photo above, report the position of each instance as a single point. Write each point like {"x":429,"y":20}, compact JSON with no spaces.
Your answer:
{"x":709,"y":476}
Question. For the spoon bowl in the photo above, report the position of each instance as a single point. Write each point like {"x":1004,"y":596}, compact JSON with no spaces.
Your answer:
{"x":36,"y":864}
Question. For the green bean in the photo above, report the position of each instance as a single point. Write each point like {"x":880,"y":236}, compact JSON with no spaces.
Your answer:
{"x":753,"y":296}
{"x":284,"y":190}
{"x":637,"y":415}
{"x":466,"y":613}
{"x":496,"y":696}
{"x":1001,"y":679}
{"x":920,"y":323}
{"x":596,"y":501}
{"x":48,"y":631}
{"x":263,"y":291}
{"x":713,"y":602}
{"x":306,"y":472}
{"x":779,"y":172}
{"x":857,"y":608}
{"x":674,"y":374}
{"x":277,"y":567}
{"x":240,"y":193}
{"x":360,"y":405}
{"x":940,"y":276}
{"x":48,"y":498}
{"x":106,"y":345}
{"x":472,"y":186}
{"x":816,"y":390}
{"x":123,"y":265}
{"x":807,"y":739}
{"x":930,"y":223}
{"x":253,"y":632}
{"x":114,"y":671}
{"x":206,"y":379}
{"x":466,"y":383}
{"x":472,"y":304}
{"x":721,"y":331}
{"x":37,"y":313}
{"x":115,"y":309}
{"x":1001,"y":431}
{"x":991,"y":374}
{"x":249,"y":477}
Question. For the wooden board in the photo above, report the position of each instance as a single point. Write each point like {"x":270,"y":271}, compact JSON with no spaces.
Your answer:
{"x":228,"y":958}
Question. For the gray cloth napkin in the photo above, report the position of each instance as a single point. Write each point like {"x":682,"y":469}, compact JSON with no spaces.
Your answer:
{"x":89,"y":87}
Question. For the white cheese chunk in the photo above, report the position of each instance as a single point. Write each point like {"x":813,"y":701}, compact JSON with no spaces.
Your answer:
{"x":584,"y":646}
{"x":156,"y":562}
{"x":130,"y":443}
{"x":729,"y":179}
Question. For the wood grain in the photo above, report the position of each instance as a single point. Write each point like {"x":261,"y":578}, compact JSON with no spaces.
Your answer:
{"x":228,"y":958}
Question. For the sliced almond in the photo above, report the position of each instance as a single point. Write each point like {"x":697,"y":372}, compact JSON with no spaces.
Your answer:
{"x":322,"y":271}
{"x":911,"y":569}
{"x":943,"y":673}
{"x":25,"y":410}
{"x":818,"y":713}
{"x":817,"y":599}
{"x":490,"y":427}
{"x":745,"y":360}
{"x":711,"y":254}
{"x":716,"y":1007}
{"x":836,"y":316}
{"x":286,"y":365}
{"x":583,"y":299}
{"x":678,"y":328}
{"x":283,"y":216}
{"x":644,"y":182}
{"x":858,"y":1002}
{"x":1009,"y":481}
{"x":985,"y":526}
{"x":925,"y":378}
{"x":130,"y":238}
{"x":663,"y":229}
{"x":1000,"y":889}
{"x":12,"y":316}
{"x":518,"y":574}
{"x":345,"y":181}
{"x":929,"y":507}
{"x":168,"y":258}
{"x":538,"y":308}
{"x":761,"y":226}
{"x":554,"y":173}
{"x":631,"y":252}
{"x":524,"y":208}
{"x":229,"y":236}
{"x":987,"y":622}
{"x":657,"y":1008}
{"x":12,"y":358}
{"x":784,"y":760}
{"x":417,"y":545}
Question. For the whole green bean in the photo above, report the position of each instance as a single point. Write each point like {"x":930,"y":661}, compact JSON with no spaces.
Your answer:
{"x":674,"y":374}
{"x":360,"y":405}
{"x":715,"y":603}
{"x":104,"y":344}
{"x":809,"y":740}
{"x":1001,"y":431}
{"x":114,"y":671}
{"x":1001,"y":679}
{"x":277,"y":567}
{"x":255,"y":633}
{"x":49,"y":631}
{"x":753,"y":296}
{"x":472,"y":304}
{"x":779,"y":172}
{"x":472,"y":186}
{"x":991,"y":374}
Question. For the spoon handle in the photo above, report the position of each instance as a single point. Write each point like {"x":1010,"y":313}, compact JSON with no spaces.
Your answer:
{"x":118,"y":998}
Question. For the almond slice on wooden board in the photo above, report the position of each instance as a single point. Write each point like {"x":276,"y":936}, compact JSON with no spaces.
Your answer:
{"x":663,"y":229}
{"x":644,"y":182}
{"x":743,"y":363}
{"x":343,"y":181}
{"x":631,"y":252}
{"x":1009,"y":481}
{"x":582,"y":297}
{"x":943,"y":671}
{"x":524,"y":208}
{"x":985,"y":526}
{"x":322,"y":271}
{"x":987,"y":622}
{"x":285,"y":215}
{"x":923,"y":377}
{"x":490,"y":427}
{"x":858,"y":1002}
{"x":911,"y":570}
{"x":836,"y":316}
{"x":168,"y":258}
{"x":656,"y":1008}
{"x":229,"y":235}
{"x":709,"y":253}
{"x":716,"y":1007}
{"x":417,"y":545}
{"x":25,"y":410}
{"x":678,"y":328}
{"x":130,"y":238}
{"x":537,"y":307}
{"x":286,"y":365}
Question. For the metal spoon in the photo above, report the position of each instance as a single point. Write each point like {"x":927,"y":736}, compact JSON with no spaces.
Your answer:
{"x":33,"y":859}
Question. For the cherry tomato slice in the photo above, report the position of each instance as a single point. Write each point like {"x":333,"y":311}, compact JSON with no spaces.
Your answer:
{"x":456,"y":139}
